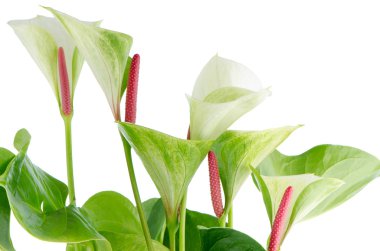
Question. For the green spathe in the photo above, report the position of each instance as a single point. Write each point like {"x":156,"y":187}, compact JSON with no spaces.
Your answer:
{"x":224,"y":91}
{"x":322,"y":178}
{"x":236,"y":151}
{"x":170,"y":162}
{"x":105,"y":51}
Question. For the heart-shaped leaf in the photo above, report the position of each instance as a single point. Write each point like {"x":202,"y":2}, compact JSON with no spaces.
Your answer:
{"x":112,"y":212}
{"x":170,"y":162}
{"x":227,"y":239}
{"x":193,"y":221}
{"x":236,"y":151}
{"x":38,"y":200}
{"x":115,"y":218}
{"x":322,"y":178}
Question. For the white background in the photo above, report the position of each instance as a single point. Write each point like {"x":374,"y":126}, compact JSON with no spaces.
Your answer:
{"x":322,"y":59}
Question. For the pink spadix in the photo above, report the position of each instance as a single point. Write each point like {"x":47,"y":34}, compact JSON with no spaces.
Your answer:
{"x":279,"y":221}
{"x":216,"y":195}
{"x":131,"y":99}
{"x":64,"y":83}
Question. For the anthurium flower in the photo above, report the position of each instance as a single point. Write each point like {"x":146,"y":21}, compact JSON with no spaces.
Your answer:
{"x":105,"y":51}
{"x":170,"y":162}
{"x":236,"y":151}
{"x":224,"y":91}
{"x":322,"y":178}
{"x":45,"y":39}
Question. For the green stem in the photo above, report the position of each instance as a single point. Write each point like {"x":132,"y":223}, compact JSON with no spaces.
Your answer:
{"x":230,"y":223}
{"x":172,"y":231}
{"x":182,"y":224}
{"x":69,"y":159}
{"x":132,"y":177}
{"x":222,"y":220}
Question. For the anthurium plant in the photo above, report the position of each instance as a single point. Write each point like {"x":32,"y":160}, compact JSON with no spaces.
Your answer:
{"x":294,"y":188}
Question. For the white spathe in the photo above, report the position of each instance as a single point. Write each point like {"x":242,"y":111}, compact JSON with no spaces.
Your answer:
{"x":224,"y":91}
{"x":42,"y":36}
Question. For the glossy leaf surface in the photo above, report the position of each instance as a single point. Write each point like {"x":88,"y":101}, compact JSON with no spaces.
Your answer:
{"x":322,"y":178}
{"x":227,"y":239}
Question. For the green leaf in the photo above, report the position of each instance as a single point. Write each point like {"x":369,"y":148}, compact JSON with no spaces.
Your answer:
{"x":155,"y":214}
{"x":170,"y":162}
{"x":112,"y":212}
{"x":227,"y":239}
{"x":5,"y":157}
{"x":5,"y":213}
{"x":38,"y":200}
{"x":105,"y":51}
{"x":224,"y":91}
{"x":236,"y":151}
{"x":322,"y":178}
{"x":42,"y":36}
{"x":193,"y":220}
{"x":131,"y":242}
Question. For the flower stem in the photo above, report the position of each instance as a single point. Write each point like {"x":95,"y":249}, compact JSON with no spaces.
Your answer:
{"x":172,"y":234}
{"x":230,"y":222}
{"x":132,"y":177}
{"x":222,"y":220}
{"x":182,"y":224}
{"x":69,"y":159}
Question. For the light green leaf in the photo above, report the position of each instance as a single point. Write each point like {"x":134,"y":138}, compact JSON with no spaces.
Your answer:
{"x":224,"y":91}
{"x":227,"y":239}
{"x":38,"y":200}
{"x":170,"y":162}
{"x":322,"y":178}
{"x":131,"y":242}
{"x":42,"y":36}
{"x":112,"y":212}
{"x":236,"y":151}
{"x":105,"y":51}
{"x":154,"y":212}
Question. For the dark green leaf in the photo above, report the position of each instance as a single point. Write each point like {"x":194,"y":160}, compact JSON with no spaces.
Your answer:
{"x":155,"y":214}
{"x":227,"y":239}
{"x":193,"y":220}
